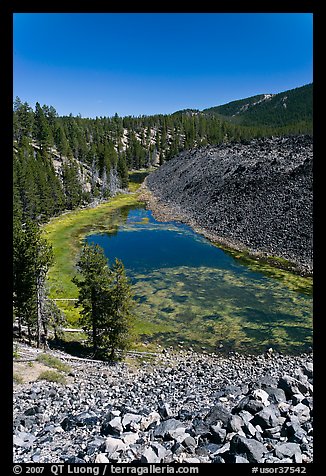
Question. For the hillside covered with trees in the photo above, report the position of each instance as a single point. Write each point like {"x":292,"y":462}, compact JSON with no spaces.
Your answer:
{"x":63,"y":162}
{"x":274,"y":110}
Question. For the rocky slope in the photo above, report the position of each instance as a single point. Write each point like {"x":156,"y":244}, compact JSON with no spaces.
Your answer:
{"x":255,"y":196}
{"x":174,"y":407}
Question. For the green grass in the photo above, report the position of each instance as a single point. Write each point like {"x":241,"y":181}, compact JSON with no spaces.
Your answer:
{"x":66,"y":234}
{"x":52,"y":376}
{"x":53,"y":362}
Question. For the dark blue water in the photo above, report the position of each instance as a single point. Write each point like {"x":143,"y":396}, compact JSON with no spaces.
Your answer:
{"x":190,"y":290}
{"x":144,"y":247}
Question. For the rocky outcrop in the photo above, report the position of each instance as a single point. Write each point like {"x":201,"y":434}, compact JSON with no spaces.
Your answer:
{"x":254,"y":196}
{"x":176,"y":407}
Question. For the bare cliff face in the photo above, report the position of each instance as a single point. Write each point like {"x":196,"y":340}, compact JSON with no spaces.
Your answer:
{"x":256,"y":196}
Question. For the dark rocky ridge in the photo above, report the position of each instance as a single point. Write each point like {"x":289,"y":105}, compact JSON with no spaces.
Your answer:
{"x":255,"y":196}
{"x":179,"y":407}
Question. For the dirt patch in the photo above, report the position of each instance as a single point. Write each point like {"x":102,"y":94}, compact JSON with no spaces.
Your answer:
{"x":27,"y":372}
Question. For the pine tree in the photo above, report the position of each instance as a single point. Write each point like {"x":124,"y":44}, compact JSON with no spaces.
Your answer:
{"x":106,"y":299}
{"x":23,"y":120}
{"x":121,"y":305}
{"x":32,"y":257}
{"x":61,"y":141}
{"x":122,"y":170}
{"x":42,"y":129}
{"x":71,"y":184}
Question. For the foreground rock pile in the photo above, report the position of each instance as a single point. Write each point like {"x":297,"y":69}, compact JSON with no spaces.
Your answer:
{"x":178,"y":407}
{"x":255,"y":196}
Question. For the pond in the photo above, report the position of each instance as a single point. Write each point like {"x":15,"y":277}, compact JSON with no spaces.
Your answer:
{"x":189,"y":292}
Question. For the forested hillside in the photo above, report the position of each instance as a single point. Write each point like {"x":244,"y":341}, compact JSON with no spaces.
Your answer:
{"x":275,"y":110}
{"x":63,"y":162}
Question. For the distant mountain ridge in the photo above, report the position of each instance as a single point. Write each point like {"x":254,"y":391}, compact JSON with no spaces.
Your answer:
{"x":288,"y":107}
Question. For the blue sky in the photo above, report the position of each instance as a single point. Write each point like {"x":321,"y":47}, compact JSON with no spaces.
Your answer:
{"x":99,"y":64}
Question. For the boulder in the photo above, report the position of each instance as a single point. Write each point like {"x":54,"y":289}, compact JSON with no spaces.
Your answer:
{"x":149,"y":456}
{"x":217,"y":413}
{"x":267,"y":418}
{"x":112,"y":427}
{"x":291,"y":386}
{"x":165,"y":427}
{"x":287,"y":450}
{"x":253,"y":449}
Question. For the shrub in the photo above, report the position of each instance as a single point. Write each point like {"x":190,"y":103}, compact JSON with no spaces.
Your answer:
{"x":52,"y":376}
{"x":53,"y":362}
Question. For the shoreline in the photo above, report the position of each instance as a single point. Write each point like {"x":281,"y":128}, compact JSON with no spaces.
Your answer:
{"x":170,"y":212}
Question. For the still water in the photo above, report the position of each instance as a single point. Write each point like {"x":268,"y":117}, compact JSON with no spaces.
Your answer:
{"x":190,"y":292}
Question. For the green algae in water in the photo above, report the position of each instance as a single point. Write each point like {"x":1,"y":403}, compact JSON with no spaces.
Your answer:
{"x":204,"y":294}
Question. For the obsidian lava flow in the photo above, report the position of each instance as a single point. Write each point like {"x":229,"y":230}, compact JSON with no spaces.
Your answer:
{"x":256,"y":196}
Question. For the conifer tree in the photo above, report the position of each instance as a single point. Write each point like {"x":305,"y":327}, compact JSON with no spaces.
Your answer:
{"x":122,"y":170}
{"x":42,"y":128}
{"x":32,"y":257}
{"x":106,"y":301}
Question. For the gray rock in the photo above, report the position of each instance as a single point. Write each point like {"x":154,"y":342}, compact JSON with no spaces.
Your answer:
{"x":68,"y":423}
{"x":86,"y":418}
{"x":240,"y":459}
{"x":291,"y":386}
{"x":254,"y":406}
{"x":200,"y":428}
{"x":267,"y":418}
{"x":130,"y":437}
{"x":31,"y":411}
{"x":160,"y":450}
{"x":150,"y":420}
{"x":307,"y":369}
{"x":295,"y":433}
{"x":164,"y":428}
{"x":164,"y":411}
{"x":272,"y":432}
{"x":249,"y":429}
{"x":217,"y":413}
{"x":254,"y":450}
{"x":191,"y":460}
{"x":18,"y":441}
{"x":212,"y":448}
{"x":245,"y":415}
{"x":112,"y":445}
{"x":235,"y":423}
{"x":275,"y":395}
{"x":287,"y":450}
{"x":218,"y":434}
{"x":149,"y":456}
{"x":301,"y":411}
{"x":73,"y":417}
{"x":189,"y":442}
{"x":101,"y":458}
{"x":261,"y":395}
{"x":75,"y":460}
{"x":129,"y":421}
{"x":218,"y":459}
{"x":112,"y":427}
